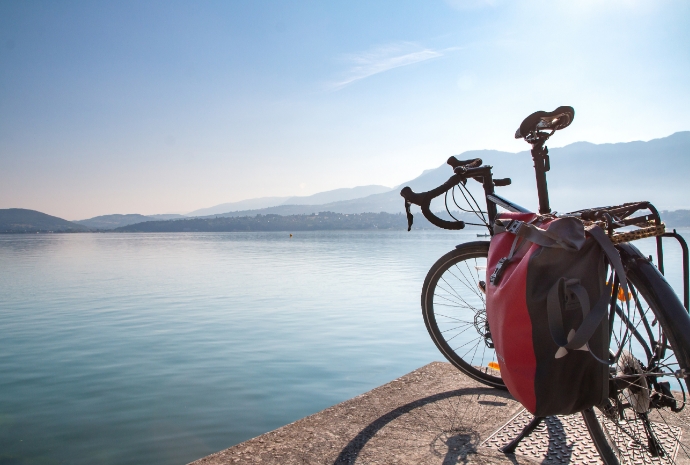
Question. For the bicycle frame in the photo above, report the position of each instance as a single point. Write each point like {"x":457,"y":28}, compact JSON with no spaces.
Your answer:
{"x":540,"y":156}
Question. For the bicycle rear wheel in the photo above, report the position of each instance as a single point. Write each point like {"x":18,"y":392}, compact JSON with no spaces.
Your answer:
{"x":454,"y":309}
{"x":645,"y":419}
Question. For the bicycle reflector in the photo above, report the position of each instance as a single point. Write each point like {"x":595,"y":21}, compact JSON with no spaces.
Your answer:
{"x":495,"y":366}
{"x":621,"y":294}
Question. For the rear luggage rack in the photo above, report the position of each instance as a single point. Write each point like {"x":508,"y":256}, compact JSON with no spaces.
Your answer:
{"x":649,"y":229}
{"x":649,"y":225}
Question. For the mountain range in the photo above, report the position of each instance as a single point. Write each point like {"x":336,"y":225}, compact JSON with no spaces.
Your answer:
{"x":582,"y":175}
{"x":336,"y":195}
{"x":105,"y":222}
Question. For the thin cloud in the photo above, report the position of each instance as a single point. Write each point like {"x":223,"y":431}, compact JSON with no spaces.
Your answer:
{"x":384,"y":58}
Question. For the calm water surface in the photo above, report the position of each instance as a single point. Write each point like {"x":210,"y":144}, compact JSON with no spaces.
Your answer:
{"x":163,"y":348}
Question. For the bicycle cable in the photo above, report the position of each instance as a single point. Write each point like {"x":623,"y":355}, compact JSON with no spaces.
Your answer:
{"x":482,"y":218}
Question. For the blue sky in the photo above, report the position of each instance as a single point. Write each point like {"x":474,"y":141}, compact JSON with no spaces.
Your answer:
{"x":158,"y":107}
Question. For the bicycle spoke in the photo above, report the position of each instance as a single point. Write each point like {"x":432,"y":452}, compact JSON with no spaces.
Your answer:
{"x":461,"y":332}
{"x":466,"y":282}
{"x":451,"y":329}
{"x":454,"y":308}
{"x":457,"y":304}
{"x":460,"y":297}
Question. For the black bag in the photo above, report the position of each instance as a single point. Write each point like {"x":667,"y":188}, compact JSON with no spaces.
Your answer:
{"x":547,"y":305}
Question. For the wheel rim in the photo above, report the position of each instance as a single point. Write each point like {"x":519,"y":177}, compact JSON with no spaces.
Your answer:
{"x":456,"y":315}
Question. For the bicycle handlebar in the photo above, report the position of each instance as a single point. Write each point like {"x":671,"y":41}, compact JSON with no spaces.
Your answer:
{"x":463,"y":170}
{"x":423,"y":199}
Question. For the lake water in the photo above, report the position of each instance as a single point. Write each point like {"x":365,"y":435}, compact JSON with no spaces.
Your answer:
{"x":163,"y":348}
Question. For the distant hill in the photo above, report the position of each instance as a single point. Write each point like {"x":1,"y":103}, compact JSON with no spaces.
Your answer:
{"x":321,"y":198}
{"x":113,"y":221}
{"x":166,"y":216}
{"x":106,"y":222}
{"x":17,"y":220}
{"x":321,"y":221}
{"x":250,"y":204}
{"x":327,"y":221}
{"x":20,"y":220}
{"x":676,"y":219}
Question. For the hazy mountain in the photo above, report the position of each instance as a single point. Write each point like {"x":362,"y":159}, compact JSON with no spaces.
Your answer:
{"x":589,"y":175}
{"x":250,"y":204}
{"x":166,"y":216}
{"x":20,"y":220}
{"x":105,"y":222}
{"x":389,"y":201}
{"x":113,"y":221}
{"x":582,"y":175}
{"x":315,"y":199}
{"x":676,"y":219}
{"x":585,"y":174}
{"x":337,"y":195}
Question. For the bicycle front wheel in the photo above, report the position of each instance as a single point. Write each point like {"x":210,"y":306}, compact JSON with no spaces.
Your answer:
{"x":454,"y":309}
{"x":645,"y":419}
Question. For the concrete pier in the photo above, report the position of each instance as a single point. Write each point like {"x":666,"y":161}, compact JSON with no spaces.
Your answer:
{"x":437,"y":415}
{"x":434,"y":415}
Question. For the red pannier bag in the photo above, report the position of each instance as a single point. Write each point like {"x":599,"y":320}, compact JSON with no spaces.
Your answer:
{"x":547,"y":303}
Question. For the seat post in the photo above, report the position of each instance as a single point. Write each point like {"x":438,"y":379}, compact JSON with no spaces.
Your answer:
{"x":540,"y":155}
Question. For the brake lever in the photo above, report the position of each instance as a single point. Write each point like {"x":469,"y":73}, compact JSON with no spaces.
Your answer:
{"x":410,"y":218}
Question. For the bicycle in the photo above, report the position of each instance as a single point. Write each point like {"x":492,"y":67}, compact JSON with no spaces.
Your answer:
{"x":649,"y":346}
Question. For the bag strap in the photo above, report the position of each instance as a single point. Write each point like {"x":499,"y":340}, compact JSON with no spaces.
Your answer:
{"x":500,"y":227}
{"x":598,"y":234}
{"x":590,"y":318}
{"x":549,"y":238}
{"x":564,"y":236}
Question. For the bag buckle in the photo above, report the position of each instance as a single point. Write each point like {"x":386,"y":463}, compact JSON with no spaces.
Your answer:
{"x":498,"y":271}
{"x":514,"y":226}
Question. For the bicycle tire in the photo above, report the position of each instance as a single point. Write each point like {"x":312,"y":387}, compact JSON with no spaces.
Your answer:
{"x":641,"y":432}
{"x":455,"y":311}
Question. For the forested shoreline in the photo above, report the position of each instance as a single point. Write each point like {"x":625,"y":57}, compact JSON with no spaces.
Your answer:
{"x":314,"y":222}
{"x":13,"y":221}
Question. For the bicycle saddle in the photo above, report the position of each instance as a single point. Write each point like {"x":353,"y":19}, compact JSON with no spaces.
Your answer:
{"x":560,"y":118}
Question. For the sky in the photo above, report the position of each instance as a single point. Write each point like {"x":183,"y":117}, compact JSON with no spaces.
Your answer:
{"x":166,"y":107}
